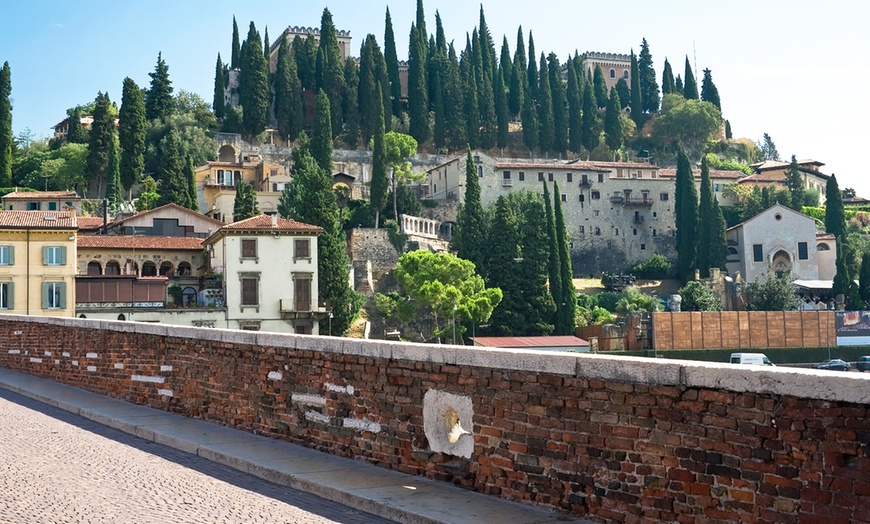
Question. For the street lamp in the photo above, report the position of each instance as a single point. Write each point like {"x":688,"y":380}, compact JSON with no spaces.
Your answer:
{"x":330,"y":323}
{"x":454,"y":322}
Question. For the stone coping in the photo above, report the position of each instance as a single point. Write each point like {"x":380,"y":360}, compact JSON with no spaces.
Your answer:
{"x":801,"y":383}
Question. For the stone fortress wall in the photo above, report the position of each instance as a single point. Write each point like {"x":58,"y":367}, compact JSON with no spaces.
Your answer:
{"x":607,"y":437}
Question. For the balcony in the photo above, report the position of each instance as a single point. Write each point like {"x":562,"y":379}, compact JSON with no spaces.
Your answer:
{"x":627,"y":200}
{"x":585,"y":183}
{"x":638,"y":219}
{"x":507,"y":182}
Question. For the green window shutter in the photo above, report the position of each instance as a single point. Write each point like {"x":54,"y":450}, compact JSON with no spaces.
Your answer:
{"x":11,"y":256}
{"x":44,"y":294}
{"x":62,"y":294}
{"x":44,"y":255}
{"x":10,"y":295}
{"x":63,"y":255}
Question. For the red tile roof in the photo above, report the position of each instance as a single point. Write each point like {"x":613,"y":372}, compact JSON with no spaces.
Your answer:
{"x":181,"y":209}
{"x":714,"y":173}
{"x":38,"y":219}
{"x":41,"y":195}
{"x":531,"y":342}
{"x":90,"y":222}
{"x":265,"y":222}
{"x":138,"y":242}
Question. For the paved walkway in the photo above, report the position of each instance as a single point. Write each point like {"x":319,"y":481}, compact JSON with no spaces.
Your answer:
{"x":358,"y":485}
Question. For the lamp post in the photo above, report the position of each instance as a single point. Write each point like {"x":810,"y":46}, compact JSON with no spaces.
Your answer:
{"x":330,"y":323}
{"x":454,"y":322}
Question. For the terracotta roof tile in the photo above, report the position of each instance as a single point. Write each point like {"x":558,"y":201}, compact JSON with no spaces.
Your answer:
{"x":41,"y":195}
{"x":138,"y":242}
{"x":714,"y":173}
{"x":38,"y":219}
{"x":90,"y":222}
{"x":181,"y":209}
{"x":265,"y":222}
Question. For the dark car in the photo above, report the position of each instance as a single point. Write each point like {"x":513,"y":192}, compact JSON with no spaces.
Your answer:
{"x":835,"y":365}
{"x":863,"y":364}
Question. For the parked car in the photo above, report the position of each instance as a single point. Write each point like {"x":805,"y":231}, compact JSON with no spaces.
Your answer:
{"x":863,"y":364}
{"x":835,"y":365}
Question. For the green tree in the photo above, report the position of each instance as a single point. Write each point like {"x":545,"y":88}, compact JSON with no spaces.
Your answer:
{"x":75,"y":133}
{"x":795,"y":184}
{"x":380,"y":181}
{"x":518,"y":76}
{"x":835,"y":215}
{"x":486,"y":106}
{"x":305,"y":53}
{"x":469,"y":88}
{"x":530,"y":120}
{"x":864,"y":280}
{"x":148,"y":195}
{"x":5,"y":126}
{"x":560,"y":105}
{"x":174,"y":187}
{"x":649,"y":88}
{"x":690,"y":87}
{"x":398,"y":149}
{"x":329,"y":70}
{"x":686,"y":122}
{"x":531,"y":90}
{"x":132,"y":127}
{"x":449,"y":287}
{"x":502,"y":112}
{"x":686,"y":219}
{"x":113,"y":174}
{"x":266,"y":44}
{"x":709,"y":93}
{"x":668,"y":84}
{"x":102,"y":137}
{"x":770,"y":292}
{"x":321,"y":140}
{"x":678,"y":86}
{"x":371,"y":99}
{"x":392,"y":64}
{"x":624,"y":93}
{"x":158,"y":100}
{"x":698,"y":297}
{"x":219,"y":84}
{"x":537,"y":307}
{"x":288,"y":94}
{"x":613,"y":129}
{"x":575,"y":108}
{"x":505,"y":64}
{"x":350,"y":99}
{"x":418,"y":101}
{"x":254,"y":92}
{"x":545,"y":108}
{"x":190,"y":175}
{"x":728,"y":134}
{"x":470,"y":224}
{"x":591,"y":133}
{"x":712,"y":244}
{"x":566,"y":309}
{"x":636,"y":100}
{"x":245,"y":203}
{"x":235,"y":57}
{"x":599,"y":86}
{"x":554,"y":270}
{"x":768,"y":148}
{"x":503,"y":254}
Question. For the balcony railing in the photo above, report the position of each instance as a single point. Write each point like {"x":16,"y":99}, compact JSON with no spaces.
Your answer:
{"x":507,"y":182}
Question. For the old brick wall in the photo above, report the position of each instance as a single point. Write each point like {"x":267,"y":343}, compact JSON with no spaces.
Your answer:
{"x":614,"y":439}
{"x":743,"y":329}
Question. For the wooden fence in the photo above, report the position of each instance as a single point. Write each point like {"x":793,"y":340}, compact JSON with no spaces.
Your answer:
{"x":743,"y":330}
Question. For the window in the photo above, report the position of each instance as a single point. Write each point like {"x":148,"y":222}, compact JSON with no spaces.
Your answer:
{"x":613,"y":73}
{"x":582,"y":229}
{"x":52,"y":206}
{"x":757,"y":253}
{"x":582,"y":198}
{"x":220,"y":177}
{"x":663,"y":197}
{"x":564,"y":197}
{"x":480,"y":171}
{"x":598,"y":231}
{"x":149,"y":269}
{"x":540,"y":177}
{"x":617,"y":231}
{"x":643,"y":247}
{"x":601,"y":177}
{"x":655,"y":215}
{"x":522,"y":176}
{"x":237,"y":179}
{"x":33,"y":206}
{"x":506,"y":175}
{"x":634,"y":231}
{"x":596,"y":195}
{"x":94,"y":268}
{"x":550,"y":177}
{"x":250,"y":290}
{"x":625,"y":75}
{"x":113,"y":267}
{"x":7,"y":255}
{"x":53,"y":295}
{"x":569,"y":177}
{"x":53,"y":256}
{"x":595,"y":213}
{"x":302,"y":292}
{"x":6,"y":300}
{"x":165,"y":268}
{"x":249,"y":248}
{"x":802,"y":251}
{"x":302,"y":248}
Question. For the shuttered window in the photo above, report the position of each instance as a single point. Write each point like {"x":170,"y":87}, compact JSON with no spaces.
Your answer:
{"x":249,"y":248}
{"x":54,"y":255}
{"x":302,"y":293}
{"x":7,"y":255}
{"x":7,"y":300}
{"x":250,"y":292}
{"x":53,"y":295}
{"x":302,"y":248}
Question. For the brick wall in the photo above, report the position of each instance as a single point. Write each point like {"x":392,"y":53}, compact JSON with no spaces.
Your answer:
{"x":614,"y":439}
{"x":743,"y":329}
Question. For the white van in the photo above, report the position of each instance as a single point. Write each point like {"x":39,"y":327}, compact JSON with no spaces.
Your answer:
{"x":758,"y":359}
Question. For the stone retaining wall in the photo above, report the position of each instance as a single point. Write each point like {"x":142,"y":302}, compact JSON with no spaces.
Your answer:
{"x":616,"y":439}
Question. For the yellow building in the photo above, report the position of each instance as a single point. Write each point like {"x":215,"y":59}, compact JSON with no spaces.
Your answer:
{"x":37,"y":262}
{"x":216,"y":183}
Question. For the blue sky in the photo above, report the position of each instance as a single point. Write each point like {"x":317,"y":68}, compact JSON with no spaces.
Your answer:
{"x":793,"y":69}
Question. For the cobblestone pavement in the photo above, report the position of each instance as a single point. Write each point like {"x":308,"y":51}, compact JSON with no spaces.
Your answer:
{"x":58,"y":467}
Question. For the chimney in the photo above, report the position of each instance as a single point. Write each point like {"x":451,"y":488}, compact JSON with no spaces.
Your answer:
{"x":274,"y":220}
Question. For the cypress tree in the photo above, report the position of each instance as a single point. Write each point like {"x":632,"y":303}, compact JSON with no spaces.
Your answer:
{"x":728,"y":135}
{"x":560,"y":105}
{"x":686,"y":217}
{"x":678,"y":86}
{"x":351,"y":103}
{"x":75,"y":134}
{"x":795,"y":184}
{"x":439,"y":134}
{"x":392,"y":62}
{"x":835,"y":216}
{"x":174,"y":187}
{"x":6,"y":140}
{"x":537,"y":307}
{"x":668,"y":83}
{"x":254,"y":92}
{"x":575,"y":108}
{"x":532,"y":72}
{"x":305,"y":53}
{"x":487,"y":47}
{"x":113,"y":176}
{"x":369,"y":95}
{"x":190,"y":175}
{"x":636,"y":102}
{"x":380,"y":181}
{"x":266,"y":45}
{"x":219,"y":83}
{"x":245,"y":203}
{"x":330,"y":70}
{"x":321,"y":138}
{"x":488,"y":119}
{"x":469,"y":89}
{"x":235,"y":57}
{"x":454,"y":100}
{"x":100,"y":142}
{"x":518,"y":76}
{"x":591,"y":130}
{"x":709,"y":93}
{"x":624,"y":93}
{"x":690,"y":87}
{"x":501,"y":270}
{"x":613,"y":129}
{"x":712,"y":244}
{"x":599,"y":86}
{"x":469,"y":239}
{"x":158,"y":101}
{"x":545,"y":109}
{"x":565,"y":309}
{"x":417,"y":91}
{"x":649,"y":88}
{"x":288,"y":94}
{"x":864,"y":280}
{"x":505,"y":63}
{"x":501,"y":110}
{"x":554,"y":263}
{"x":530,"y":122}
{"x":131,"y":134}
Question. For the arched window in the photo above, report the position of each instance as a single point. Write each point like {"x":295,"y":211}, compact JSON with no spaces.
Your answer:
{"x":166,"y":268}
{"x":188,"y":296}
{"x":184,"y":269}
{"x":732,"y":251}
{"x":113,"y":268}
{"x":94,"y":268}
{"x":823,"y":247}
{"x":149,"y":269}
{"x":122,"y":317}
{"x":625,"y":75}
{"x":613,"y":73}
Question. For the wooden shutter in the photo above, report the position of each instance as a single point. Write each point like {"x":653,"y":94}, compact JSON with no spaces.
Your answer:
{"x":63,"y":255}
{"x":44,"y":292}
{"x":303,"y":294}
{"x":249,"y":248}
{"x":62,"y":285}
{"x":249,"y":292}
{"x":10,"y":295}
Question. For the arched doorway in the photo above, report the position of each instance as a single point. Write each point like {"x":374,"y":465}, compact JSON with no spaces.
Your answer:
{"x":227,"y":153}
{"x":94,"y":268}
{"x":149,"y":269}
{"x":781,"y":263}
{"x":113,"y":267}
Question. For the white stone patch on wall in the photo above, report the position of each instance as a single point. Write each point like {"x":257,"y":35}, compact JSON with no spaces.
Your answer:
{"x":308,"y":400}
{"x":75,"y":362}
{"x":275,"y":375}
{"x":118,"y":365}
{"x":363,"y":425}
{"x":65,"y":354}
{"x":14,"y":351}
{"x":165,"y":368}
{"x":92,"y":355}
{"x":317,"y":417}
{"x":48,"y":353}
{"x":339,"y":389}
{"x":92,"y":368}
{"x":56,"y":361}
{"x":445,"y":419}
{"x":146,"y":378}
{"x":165,"y":392}
{"x":36,"y":360}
